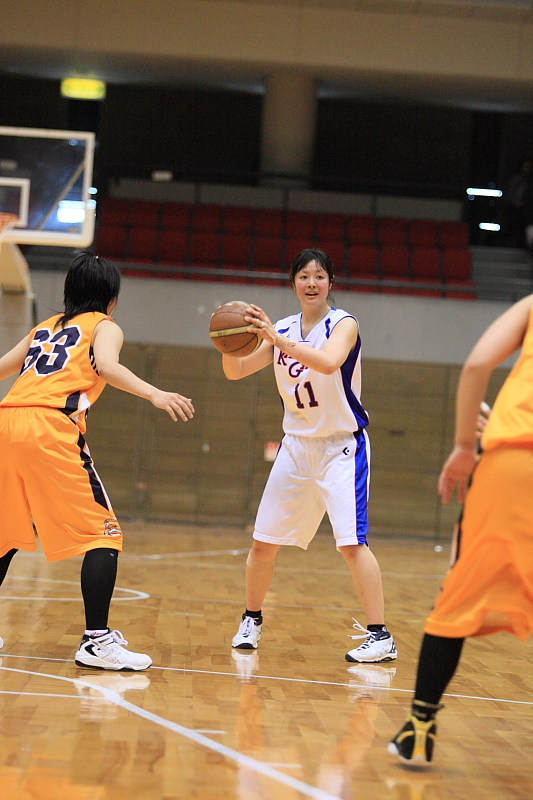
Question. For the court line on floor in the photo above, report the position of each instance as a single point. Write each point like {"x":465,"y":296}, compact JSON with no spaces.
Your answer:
{"x":198,"y":738}
{"x":136,"y":594}
{"x":350,"y":685}
{"x":160,"y":556}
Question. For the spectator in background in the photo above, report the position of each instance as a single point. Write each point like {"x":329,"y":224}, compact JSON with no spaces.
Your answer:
{"x":518,"y":207}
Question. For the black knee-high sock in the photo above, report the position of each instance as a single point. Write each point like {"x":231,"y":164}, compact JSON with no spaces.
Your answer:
{"x":437,"y":663}
{"x":98,"y":575}
{"x":5,"y":561}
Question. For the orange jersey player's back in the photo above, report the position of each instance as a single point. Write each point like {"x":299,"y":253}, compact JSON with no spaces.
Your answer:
{"x":511,"y":420}
{"x":59,"y":369}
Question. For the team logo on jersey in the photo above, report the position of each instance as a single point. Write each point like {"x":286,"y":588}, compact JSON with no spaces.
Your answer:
{"x":294,"y":368}
{"x":111,"y":527}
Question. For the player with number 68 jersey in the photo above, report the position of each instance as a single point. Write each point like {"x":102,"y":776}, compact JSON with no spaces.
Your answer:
{"x":323,"y":463}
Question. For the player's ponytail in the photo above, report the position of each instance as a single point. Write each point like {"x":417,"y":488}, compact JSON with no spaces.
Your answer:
{"x":91,"y":284}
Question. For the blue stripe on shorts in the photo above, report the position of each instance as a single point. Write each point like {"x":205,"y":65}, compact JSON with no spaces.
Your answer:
{"x":362,"y":468}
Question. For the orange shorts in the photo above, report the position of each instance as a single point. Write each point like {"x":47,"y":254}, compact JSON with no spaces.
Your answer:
{"x":47,"y":475}
{"x":493,"y":569}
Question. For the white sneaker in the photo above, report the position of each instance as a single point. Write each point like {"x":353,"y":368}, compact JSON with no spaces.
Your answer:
{"x":1,"y":643}
{"x":248,"y":634}
{"x":378,"y":646}
{"x":107,"y":652}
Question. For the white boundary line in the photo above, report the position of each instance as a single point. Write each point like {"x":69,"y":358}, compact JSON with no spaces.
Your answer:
{"x":159,"y":556}
{"x":136,"y":595}
{"x":350,"y":685}
{"x":233,"y":755}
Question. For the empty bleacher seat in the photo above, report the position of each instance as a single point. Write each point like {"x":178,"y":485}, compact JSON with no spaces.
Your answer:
{"x":394,"y":261}
{"x":423,"y":233}
{"x":426,"y":268}
{"x":453,"y":234}
{"x":144,"y":213}
{"x":295,"y":246}
{"x":176,"y":216}
{"x":268,"y":222}
{"x":173,"y":247}
{"x":300,"y":224}
{"x":207,"y":218}
{"x":361,"y":230}
{"x":457,"y":268}
{"x":237,"y":220}
{"x":329,"y":227}
{"x":392,"y":231}
{"x":142,"y":244}
{"x":267,"y":252}
{"x":111,"y":241}
{"x":205,"y":248}
{"x":362,"y":260}
{"x":114,"y":211}
{"x":236,"y":249}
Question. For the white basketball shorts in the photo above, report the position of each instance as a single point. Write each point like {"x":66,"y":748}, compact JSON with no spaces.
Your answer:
{"x":312,"y":475}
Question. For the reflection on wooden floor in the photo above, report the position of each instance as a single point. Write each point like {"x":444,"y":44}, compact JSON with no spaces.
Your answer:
{"x":290,"y":721}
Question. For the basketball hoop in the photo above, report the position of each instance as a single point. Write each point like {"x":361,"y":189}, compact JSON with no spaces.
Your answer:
{"x":7,"y":221}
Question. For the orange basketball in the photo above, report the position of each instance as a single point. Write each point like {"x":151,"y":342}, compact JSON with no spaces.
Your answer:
{"x":228,"y":330}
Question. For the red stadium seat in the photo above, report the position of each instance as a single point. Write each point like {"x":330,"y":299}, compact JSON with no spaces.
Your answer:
{"x":111,"y":241}
{"x":236,"y":249}
{"x":176,"y":216}
{"x":142,"y":244}
{"x":237,"y":220}
{"x":173,"y":247}
{"x":329,"y":226}
{"x":457,"y":265}
{"x":394,"y":261}
{"x":268,"y":222}
{"x":300,"y":224}
{"x":335,"y":250}
{"x":361,"y":230}
{"x":207,"y":218}
{"x":205,"y":248}
{"x":362,"y":260}
{"x":453,"y":234}
{"x":295,"y":246}
{"x":144,"y":213}
{"x":423,"y":233}
{"x":114,"y":211}
{"x":267,"y":252}
{"x":426,"y":264}
{"x":392,"y":231}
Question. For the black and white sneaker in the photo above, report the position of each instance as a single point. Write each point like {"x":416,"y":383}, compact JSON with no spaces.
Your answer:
{"x":248,"y":634}
{"x":378,"y":646}
{"x":108,"y":652}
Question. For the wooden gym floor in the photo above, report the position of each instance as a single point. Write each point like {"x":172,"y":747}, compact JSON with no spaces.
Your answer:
{"x":291,"y":721}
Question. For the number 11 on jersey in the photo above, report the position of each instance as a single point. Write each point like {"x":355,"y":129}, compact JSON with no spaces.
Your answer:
{"x":313,"y":402}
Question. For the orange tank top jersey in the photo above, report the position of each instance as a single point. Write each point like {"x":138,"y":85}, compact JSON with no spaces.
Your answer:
{"x":59,"y":369}
{"x":511,"y":421}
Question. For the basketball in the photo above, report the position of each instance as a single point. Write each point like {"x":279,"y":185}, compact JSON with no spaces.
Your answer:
{"x":228,"y":330}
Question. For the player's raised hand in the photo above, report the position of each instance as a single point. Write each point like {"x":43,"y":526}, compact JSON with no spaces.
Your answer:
{"x":456,"y":471}
{"x":260,"y":323}
{"x":173,"y":403}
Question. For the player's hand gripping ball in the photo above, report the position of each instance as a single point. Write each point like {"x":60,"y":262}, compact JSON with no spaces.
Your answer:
{"x":229,"y":332}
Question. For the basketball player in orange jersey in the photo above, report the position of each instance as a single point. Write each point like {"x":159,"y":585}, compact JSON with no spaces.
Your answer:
{"x":324,"y":459}
{"x":46,"y":471}
{"x":489,"y":587}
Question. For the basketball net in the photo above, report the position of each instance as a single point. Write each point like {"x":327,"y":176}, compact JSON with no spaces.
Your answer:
{"x":7,"y":221}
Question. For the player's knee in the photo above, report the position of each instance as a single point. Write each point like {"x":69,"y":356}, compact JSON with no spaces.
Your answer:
{"x":262,"y":553}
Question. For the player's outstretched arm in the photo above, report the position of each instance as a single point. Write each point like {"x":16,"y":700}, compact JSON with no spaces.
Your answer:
{"x":11,"y":362}
{"x":499,"y":341}
{"x":107,"y":343}
{"x":237,"y":368}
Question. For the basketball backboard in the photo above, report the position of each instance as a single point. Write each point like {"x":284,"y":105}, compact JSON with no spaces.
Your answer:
{"x":45,"y":179}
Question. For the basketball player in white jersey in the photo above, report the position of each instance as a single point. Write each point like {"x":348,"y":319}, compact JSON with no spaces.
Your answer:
{"x":324,"y":459}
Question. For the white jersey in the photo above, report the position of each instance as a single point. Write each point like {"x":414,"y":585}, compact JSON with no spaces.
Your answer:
{"x":317,"y":404}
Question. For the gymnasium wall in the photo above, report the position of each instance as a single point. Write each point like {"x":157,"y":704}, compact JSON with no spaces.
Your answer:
{"x":212,"y":469}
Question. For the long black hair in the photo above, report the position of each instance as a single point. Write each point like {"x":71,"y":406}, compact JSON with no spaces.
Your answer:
{"x":92,"y":283}
{"x":303,"y":259}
